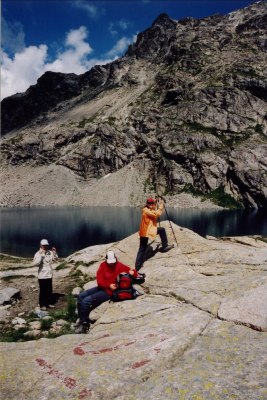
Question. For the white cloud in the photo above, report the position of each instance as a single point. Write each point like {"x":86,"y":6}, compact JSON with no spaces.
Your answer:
{"x":112,"y":29}
{"x":74,"y":58}
{"x":91,"y":10}
{"x":119,"y":47}
{"x":12,"y":36}
{"x":122,"y":24}
{"x":23,"y":70}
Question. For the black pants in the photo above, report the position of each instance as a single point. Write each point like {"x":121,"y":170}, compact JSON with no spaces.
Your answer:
{"x":140,"y":258}
{"x":45,"y":294}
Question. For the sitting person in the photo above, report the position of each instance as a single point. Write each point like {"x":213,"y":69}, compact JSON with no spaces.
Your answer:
{"x":149,"y":229}
{"x":106,"y":283}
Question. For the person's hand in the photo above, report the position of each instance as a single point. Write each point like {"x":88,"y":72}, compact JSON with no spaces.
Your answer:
{"x":113,"y":286}
{"x":131,"y":272}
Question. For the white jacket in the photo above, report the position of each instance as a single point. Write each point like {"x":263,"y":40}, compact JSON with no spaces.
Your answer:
{"x":44,"y":260}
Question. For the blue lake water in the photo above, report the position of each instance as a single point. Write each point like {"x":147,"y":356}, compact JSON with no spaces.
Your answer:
{"x":71,"y":229}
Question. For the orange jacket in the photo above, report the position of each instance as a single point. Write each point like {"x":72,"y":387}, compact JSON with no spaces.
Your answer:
{"x":148,"y":226}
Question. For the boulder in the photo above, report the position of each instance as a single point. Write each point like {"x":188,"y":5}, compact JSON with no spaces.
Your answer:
{"x":8,"y":294}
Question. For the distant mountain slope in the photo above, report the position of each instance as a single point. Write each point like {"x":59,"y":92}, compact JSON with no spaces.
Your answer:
{"x":185,"y":108}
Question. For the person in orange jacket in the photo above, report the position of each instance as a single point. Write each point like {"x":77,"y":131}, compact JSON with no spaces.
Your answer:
{"x":149,"y":230}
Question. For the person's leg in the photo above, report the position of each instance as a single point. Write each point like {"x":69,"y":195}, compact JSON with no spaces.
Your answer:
{"x":162,"y":233}
{"x":140,"y":258}
{"x":46,"y":285}
{"x":163,"y":236}
{"x":42,"y":293}
{"x":89,"y":299}
{"x":49,"y":293}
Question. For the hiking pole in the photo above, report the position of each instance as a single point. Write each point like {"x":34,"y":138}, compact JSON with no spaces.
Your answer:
{"x":164,"y":201}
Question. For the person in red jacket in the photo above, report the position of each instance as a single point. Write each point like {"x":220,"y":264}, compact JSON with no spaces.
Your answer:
{"x":106,"y":277}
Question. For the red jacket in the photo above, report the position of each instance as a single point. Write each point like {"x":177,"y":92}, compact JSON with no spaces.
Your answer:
{"x":107,"y":274}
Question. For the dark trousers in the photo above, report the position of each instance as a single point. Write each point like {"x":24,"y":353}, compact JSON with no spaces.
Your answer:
{"x":140,"y":258}
{"x":45,"y":293}
{"x":88,"y":300}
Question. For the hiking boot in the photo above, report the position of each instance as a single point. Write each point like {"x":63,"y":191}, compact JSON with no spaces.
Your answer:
{"x":82,"y":328}
{"x":167,"y":248}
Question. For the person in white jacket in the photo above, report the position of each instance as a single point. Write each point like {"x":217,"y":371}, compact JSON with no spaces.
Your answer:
{"x":44,"y":259}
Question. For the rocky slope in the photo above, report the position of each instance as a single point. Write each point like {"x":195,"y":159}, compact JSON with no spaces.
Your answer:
{"x":183,"y":111}
{"x":198,"y":332}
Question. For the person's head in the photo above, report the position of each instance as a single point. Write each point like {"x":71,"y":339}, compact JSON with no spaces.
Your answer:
{"x":151,"y":203}
{"x":111,"y":258}
{"x":44,"y":244}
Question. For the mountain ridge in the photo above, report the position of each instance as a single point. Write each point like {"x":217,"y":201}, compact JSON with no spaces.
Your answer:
{"x":187,"y":99}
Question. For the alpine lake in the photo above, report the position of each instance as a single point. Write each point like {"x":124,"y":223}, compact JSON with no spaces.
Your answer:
{"x":71,"y":229}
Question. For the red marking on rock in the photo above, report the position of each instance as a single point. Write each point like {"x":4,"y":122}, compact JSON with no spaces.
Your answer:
{"x":105,"y":350}
{"x":150,"y":335}
{"x":140,"y":364}
{"x":78,"y":351}
{"x":129,"y":344}
{"x":70,"y":382}
{"x":40,"y":361}
{"x":84,"y":393}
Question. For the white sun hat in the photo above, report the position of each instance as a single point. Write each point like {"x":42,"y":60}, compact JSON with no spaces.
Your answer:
{"x":110,"y":257}
{"x":44,"y":242}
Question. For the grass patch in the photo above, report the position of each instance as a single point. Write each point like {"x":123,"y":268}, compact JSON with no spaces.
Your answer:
{"x":85,"y":121}
{"x":46,"y":324}
{"x":188,"y":188}
{"x":17,"y":267}
{"x":11,"y":277}
{"x":9,"y":334}
{"x":67,"y":313}
{"x":13,"y":335}
{"x":219,"y":197}
{"x":61,"y":266}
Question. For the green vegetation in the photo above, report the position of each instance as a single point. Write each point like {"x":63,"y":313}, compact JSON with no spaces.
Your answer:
{"x":11,"y":277}
{"x":10,"y":334}
{"x":85,"y":121}
{"x":46,"y":324}
{"x":13,"y":335}
{"x":112,"y":120}
{"x":188,"y":188}
{"x":61,"y":266}
{"x":217,"y":196}
{"x":195,"y":126}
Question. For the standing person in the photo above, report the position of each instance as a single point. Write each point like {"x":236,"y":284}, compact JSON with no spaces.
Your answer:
{"x":149,"y":230}
{"x":106,"y":277}
{"x":44,"y":259}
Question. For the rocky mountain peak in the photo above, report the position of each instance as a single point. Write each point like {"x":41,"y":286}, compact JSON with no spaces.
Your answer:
{"x":163,"y":20}
{"x":188,"y":99}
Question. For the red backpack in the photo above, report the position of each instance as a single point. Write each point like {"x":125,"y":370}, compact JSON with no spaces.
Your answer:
{"x":125,"y":289}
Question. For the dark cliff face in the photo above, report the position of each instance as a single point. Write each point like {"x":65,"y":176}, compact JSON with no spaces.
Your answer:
{"x":197,"y":109}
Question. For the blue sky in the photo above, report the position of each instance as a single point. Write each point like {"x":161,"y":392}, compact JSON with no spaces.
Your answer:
{"x":72,"y":36}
